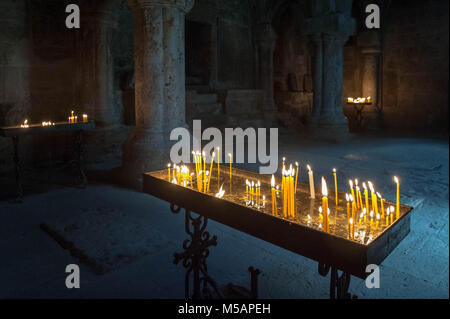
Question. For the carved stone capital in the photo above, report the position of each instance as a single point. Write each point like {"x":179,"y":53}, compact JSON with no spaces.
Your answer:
{"x":183,"y":5}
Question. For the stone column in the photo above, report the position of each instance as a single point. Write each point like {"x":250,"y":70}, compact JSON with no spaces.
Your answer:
{"x":14,"y":62}
{"x":317,"y":77}
{"x":266,"y":38}
{"x":96,"y":67}
{"x":159,"y":58}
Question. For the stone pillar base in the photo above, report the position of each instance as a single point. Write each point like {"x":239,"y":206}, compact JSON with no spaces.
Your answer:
{"x":144,"y":150}
{"x":330,"y":133}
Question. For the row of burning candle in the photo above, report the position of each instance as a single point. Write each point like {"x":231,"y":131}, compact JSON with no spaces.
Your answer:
{"x":359,"y":100}
{"x":72,"y":119}
{"x":26,"y":125}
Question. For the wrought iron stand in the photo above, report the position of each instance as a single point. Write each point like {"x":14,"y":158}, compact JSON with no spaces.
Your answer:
{"x":196,"y":250}
{"x":338,"y":284}
{"x":19,"y":197}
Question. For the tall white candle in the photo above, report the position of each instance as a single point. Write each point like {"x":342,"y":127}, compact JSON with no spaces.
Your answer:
{"x":311,"y":182}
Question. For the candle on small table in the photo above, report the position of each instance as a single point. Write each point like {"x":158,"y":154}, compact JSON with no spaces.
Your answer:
{"x":311,"y":182}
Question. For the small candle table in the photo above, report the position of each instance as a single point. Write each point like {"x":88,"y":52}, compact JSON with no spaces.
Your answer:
{"x":15,"y":132}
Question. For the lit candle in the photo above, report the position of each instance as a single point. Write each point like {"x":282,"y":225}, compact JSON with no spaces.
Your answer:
{"x":392,"y":214}
{"x":398,"y":198}
{"x":358,"y":197}
{"x":292,"y":192}
{"x":351,"y":229}
{"x":311,"y":182}
{"x":371,"y":218}
{"x":273,"y":195}
{"x":246,"y":188}
{"x":352,"y":200}
{"x":348,"y":213}
{"x":85,"y":118}
{"x":335,"y":186}
{"x":325,"y":205}
{"x":296,"y":178}
{"x":210,"y":169}
{"x":381,"y":204}
{"x":374,"y":198}
{"x":168,"y":172}
{"x":231,"y":161}
{"x":366,"y":195}
{"x":218,"y":162}
{"x":284,"y":159}
{"x":350,"y":100}
{"x":357,"y":192}
{"x":350,"y":182}
{"x":284,"y":190}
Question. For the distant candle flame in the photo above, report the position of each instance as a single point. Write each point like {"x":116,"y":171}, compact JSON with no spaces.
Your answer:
{"x":324,"y":188}
{"x":334,"y":170}
{"x":273,"y":181}
{"x":351,"y":198}
{"x":346,"y":197}
{"x":364,"y":186}
{"x":392,"y":209}
{"x":309,"y":168}
{"x":396,"y":180}
{"x":379,"y":195}
{"x":356,"y":181}
{"x":351,"y":183}
{"x":371,"y":187}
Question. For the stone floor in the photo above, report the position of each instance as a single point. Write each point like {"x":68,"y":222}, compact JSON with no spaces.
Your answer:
{"x":32,"y":265}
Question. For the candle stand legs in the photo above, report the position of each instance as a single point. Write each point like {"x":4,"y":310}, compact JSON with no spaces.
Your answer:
{"x":196,"y":250}
{"x":17,"y":169}
{"x":339,"y":284}
{"x":78,"y":159}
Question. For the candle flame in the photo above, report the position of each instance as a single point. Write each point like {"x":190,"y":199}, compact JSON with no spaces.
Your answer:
{"x":296,"y":164}
{"x":392,"y":209}
{"x":371,"y":214}
{"x":273,"y":181}
{"x":334,"y":170}
{"x":324,"y":188}
{"x":351,"y":221}
{"x":356,"y":181}
{"x":379,"y":195}
{"x":309,"y":168}
{"x":221,"y":192}
{"x":320,"y":209}
{"x":351,"y":198}
{"x":378,"y":216}
{"x":364,"y":186}
{"x":351,"y":183}
{"x":396,"y":180}
{"x":168,"y":165}
{"x":346,"y":197}
{"x":371,"y":187}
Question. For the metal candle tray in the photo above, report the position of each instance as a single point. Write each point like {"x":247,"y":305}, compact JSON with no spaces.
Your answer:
{"x":302,"y":234}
